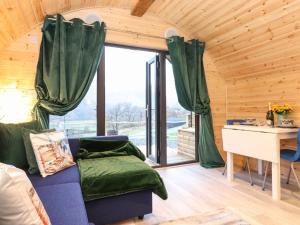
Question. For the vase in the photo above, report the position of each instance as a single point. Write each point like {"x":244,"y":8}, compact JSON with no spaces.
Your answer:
{"x":280,"y":117}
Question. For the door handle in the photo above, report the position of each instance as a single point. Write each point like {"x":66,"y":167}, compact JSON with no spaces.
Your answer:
{"x":147,"y":110}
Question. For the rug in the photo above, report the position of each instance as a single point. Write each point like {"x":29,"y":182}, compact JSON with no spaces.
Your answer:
{"x":217,"y":217}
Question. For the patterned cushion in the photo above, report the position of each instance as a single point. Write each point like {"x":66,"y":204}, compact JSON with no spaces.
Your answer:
{"x":20,"y":203}
{"x":52,"y":152}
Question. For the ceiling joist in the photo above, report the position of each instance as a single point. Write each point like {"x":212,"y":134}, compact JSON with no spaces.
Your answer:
{"x":141,"y":7}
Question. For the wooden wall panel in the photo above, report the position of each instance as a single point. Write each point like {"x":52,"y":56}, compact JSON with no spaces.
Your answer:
{"x":217,"y":91}
{"x":120,"y":19}
{"x":17,"y":73}
{"x":249,"y":97}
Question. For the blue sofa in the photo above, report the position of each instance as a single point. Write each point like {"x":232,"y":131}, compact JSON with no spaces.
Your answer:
{"x":63,"y":200}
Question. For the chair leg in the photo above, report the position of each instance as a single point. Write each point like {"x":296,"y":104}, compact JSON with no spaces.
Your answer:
{"x":265,"y":177}
{"x":225,"y":167}
{"x":245,"y":164}
{"x":249,"y":172}
{"x":294,"y":172}
{"x":289,"y":175}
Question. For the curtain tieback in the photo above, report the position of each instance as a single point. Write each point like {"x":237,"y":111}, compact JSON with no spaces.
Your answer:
{"x":202,"y":110}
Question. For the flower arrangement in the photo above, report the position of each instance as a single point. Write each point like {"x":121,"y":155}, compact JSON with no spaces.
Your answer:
{"x":282,"y":109}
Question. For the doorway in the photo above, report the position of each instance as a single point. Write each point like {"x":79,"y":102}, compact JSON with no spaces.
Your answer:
{"x":141,"y":103}
{"x":126,"y":97}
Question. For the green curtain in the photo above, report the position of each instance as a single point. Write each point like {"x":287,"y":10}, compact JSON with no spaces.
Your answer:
{"x":68,"y":61}
{"x":192,"y":93}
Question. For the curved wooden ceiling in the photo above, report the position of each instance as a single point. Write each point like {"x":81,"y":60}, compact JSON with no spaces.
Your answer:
{"x":244,"y":37}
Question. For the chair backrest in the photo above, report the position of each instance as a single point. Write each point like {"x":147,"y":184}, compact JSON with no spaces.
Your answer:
{"x":235,"y":121}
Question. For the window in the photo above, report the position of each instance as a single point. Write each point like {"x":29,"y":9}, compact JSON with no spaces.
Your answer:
{"x":82,"y":121}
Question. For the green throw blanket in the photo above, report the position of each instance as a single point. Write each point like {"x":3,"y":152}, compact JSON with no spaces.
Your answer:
{"x":110,"y":168}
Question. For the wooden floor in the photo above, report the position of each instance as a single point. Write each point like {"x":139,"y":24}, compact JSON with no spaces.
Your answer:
{"x":194,"y":190}
{"x":173,"y":156}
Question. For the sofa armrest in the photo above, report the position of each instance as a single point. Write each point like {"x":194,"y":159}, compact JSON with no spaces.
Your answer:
{"x":75,"y":142}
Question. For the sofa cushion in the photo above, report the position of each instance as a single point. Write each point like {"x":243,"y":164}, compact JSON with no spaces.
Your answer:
{"x":64,"y":204}
{"x":52,"y":152}
{"x":69,"y":175}
{"x":12,"y":149}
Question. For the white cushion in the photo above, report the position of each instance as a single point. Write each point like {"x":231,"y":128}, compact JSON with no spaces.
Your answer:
{"x":19,"y":202}
{"x":52,"y":152}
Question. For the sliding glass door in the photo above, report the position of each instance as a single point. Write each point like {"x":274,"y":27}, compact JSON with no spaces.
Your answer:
{"x":171,"y":137}
{"x":152,"y":105}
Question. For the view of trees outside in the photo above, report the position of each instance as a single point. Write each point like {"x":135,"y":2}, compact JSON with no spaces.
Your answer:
{"x":126,"y":119}
{"x":125,"y":101}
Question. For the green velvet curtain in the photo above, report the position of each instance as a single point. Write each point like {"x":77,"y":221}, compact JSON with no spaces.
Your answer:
{"x":68,"y":61}
{"x":192,"y":93}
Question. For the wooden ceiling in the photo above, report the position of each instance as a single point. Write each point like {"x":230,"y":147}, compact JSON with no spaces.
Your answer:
{"x":243,"y":37}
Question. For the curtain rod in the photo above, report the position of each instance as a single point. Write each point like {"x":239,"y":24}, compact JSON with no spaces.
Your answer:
{"x":117,"y":30}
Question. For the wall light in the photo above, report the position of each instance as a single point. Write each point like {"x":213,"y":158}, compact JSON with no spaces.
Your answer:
{"x":170,"y":32}
{"x":15,"y":107}
{"x":93,"y":17}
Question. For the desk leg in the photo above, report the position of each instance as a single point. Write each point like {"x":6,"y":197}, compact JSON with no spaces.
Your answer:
{"x":260,"y":167}
{"x":276,"y":189}
{"x":229,"y":166}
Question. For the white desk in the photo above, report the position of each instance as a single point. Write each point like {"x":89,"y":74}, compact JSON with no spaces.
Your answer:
{"x":257,"y":142}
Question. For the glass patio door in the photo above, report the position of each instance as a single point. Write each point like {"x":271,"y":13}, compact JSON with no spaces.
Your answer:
{"x":152,"y":109}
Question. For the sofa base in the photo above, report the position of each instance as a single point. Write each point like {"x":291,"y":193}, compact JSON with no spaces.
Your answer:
{"x":116,"y":208}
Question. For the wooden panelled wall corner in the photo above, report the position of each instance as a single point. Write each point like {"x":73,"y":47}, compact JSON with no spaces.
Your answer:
{"x":252,"y":46}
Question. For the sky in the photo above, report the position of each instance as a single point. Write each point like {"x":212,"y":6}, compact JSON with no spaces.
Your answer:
{"x":125,"y":72}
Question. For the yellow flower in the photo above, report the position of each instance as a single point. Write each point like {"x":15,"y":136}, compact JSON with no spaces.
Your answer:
{"x":282,"y":109}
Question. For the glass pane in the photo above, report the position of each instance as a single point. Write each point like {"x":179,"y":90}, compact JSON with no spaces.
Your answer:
{"x":82,"y":121}
{"x":153,"y":108}
{"x":180,"y":128}
{"x":125,"y":87}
